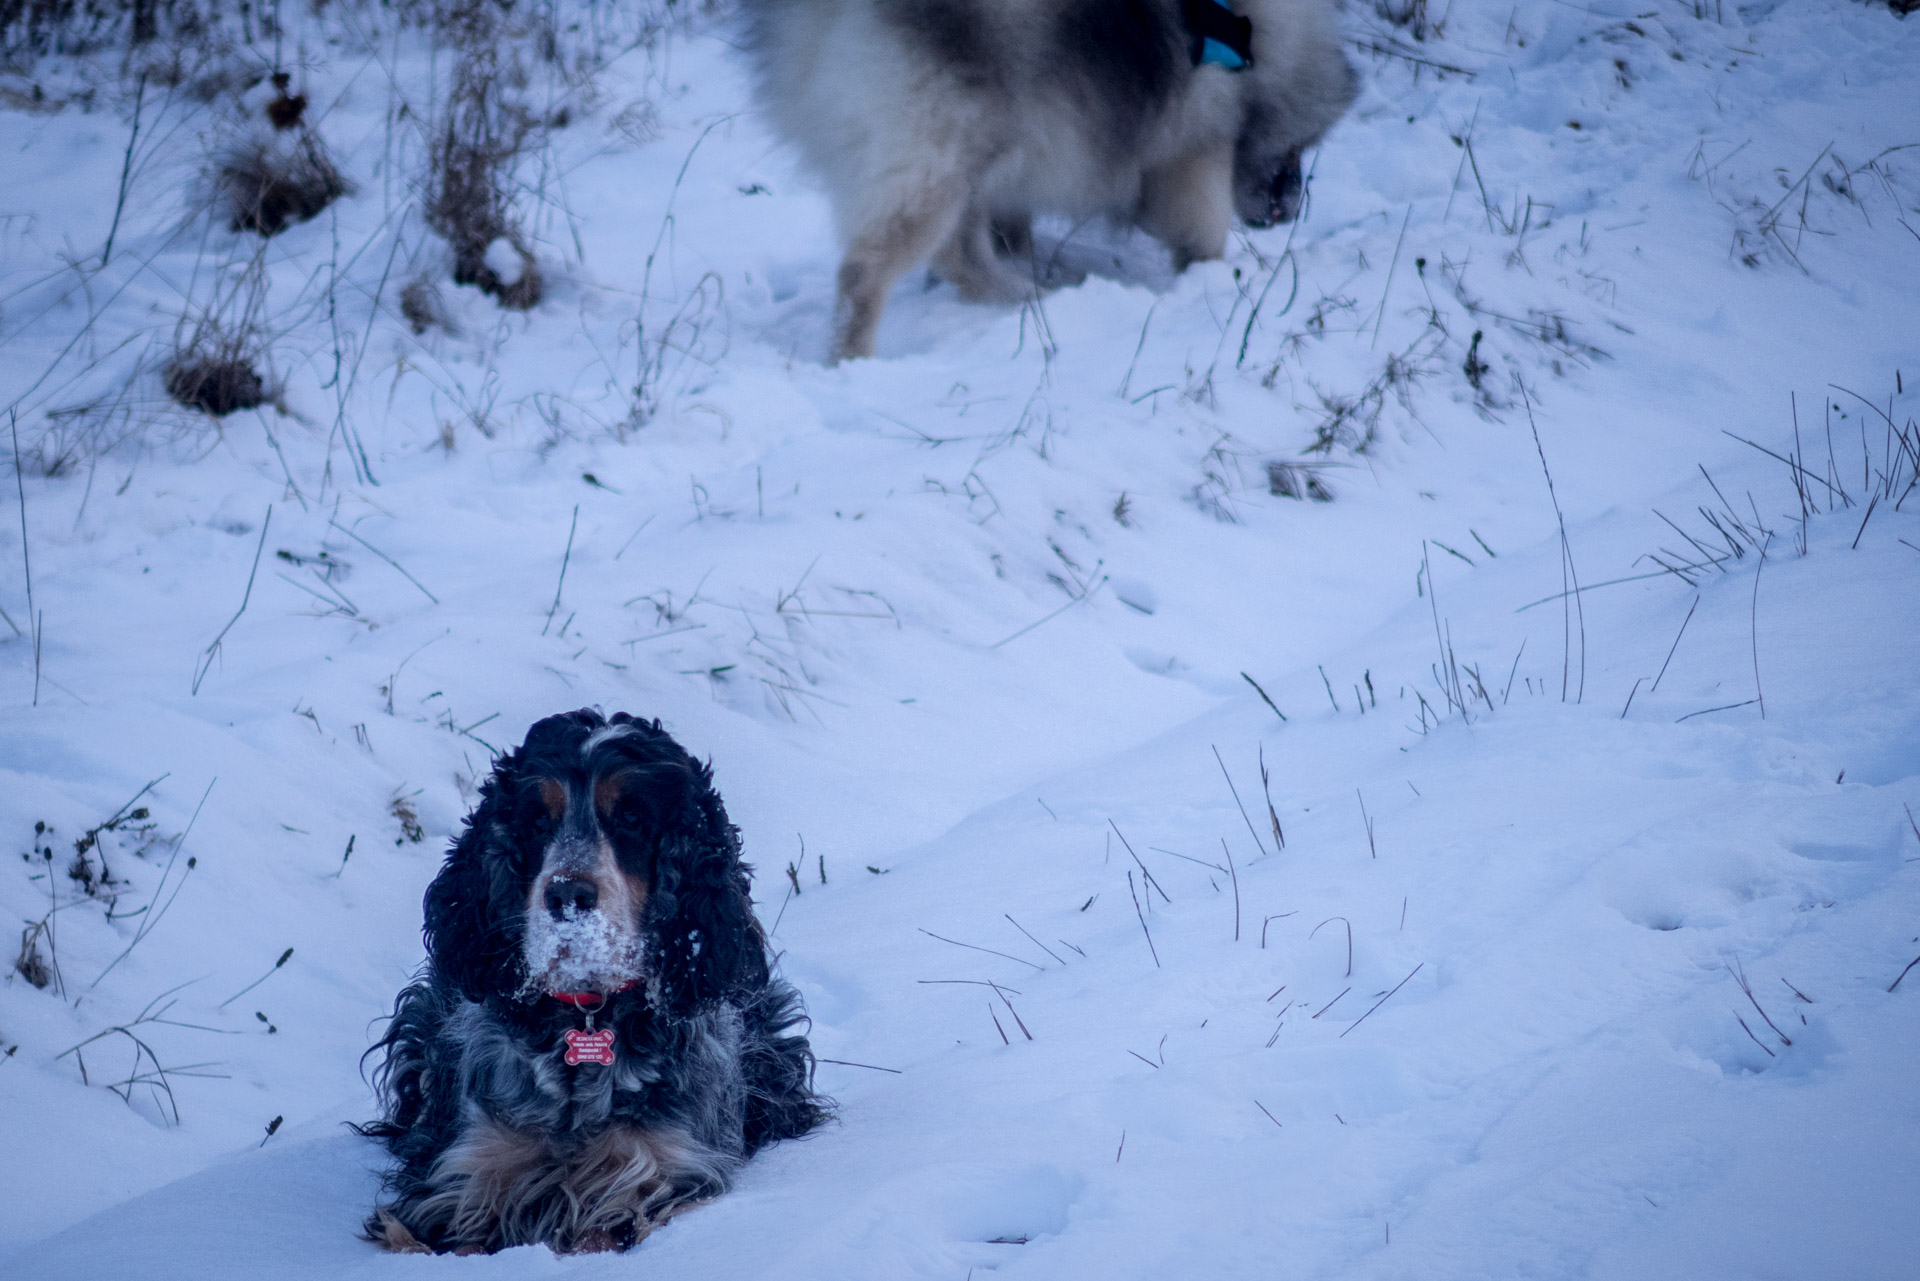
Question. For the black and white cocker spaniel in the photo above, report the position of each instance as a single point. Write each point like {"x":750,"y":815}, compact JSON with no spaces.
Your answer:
{"x":596,"y":1041}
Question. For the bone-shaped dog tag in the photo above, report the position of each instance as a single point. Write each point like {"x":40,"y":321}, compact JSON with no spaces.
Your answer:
{"x":590,"y":1047}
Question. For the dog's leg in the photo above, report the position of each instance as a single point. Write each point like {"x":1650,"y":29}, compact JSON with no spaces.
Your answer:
{"x":1188,"y":204}
{"x":900,"y":233}
{"x":1013,"y":236}
{"x":974,"y":261}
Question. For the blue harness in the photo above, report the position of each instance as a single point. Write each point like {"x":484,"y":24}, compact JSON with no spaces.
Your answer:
{"x":1217,"y":35}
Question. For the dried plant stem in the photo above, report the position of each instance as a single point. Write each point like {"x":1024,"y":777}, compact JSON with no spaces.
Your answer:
{"x":1383,"y":1000}
{"x":1036,"y":942}
{"x":1349,"y":924}
{"x":1759,"y":696}
{"x":1676,"y":644}
{"x":383,"y":556}
{"x":976,"y":948}
{"x":26,"y":551}
{"x":1903,"y":973}
{"x":565,"y":559}
{"x":212,"y":652}
{"x":126,"y":170}
{"x":871,"y":1067}
{"x":1273,"y":815}
{"x":1147,"y":876}
{"x":1567,"y":571}
{"x":1263,"y":696}
{"x":155,"y":909}
{"x":1143,"y":921}
{"x":1234,"y":873}
{"x":1236,"y":800}
{"x":274,"y":969}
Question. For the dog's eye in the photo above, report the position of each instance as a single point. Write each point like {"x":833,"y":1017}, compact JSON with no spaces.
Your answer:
{"x":627,"y":818}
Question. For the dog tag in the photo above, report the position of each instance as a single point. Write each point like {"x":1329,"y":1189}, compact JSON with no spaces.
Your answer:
{"x":590,"y":1047}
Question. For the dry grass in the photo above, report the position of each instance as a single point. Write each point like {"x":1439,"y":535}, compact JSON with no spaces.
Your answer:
{"x":267,"y":184}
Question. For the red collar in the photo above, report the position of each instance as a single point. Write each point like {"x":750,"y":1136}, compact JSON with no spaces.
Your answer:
{"x":586,"y":1000}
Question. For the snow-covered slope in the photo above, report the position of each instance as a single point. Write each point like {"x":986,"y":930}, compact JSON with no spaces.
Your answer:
{"x":971,"y":634}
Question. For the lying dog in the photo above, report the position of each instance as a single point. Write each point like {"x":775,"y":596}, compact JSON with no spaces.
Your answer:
{"x":941,"y":127}
{"x":596,"y":1041}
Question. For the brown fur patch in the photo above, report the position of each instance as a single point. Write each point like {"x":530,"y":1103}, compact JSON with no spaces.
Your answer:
{"x":606,"y":795}
{"x":607,"y":1192}
{"x":554,"y":794}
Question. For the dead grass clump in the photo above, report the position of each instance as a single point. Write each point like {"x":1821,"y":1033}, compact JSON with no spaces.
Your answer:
{"x":420,"y":305}
{"x":1296,"y":480}
{"x":285,"y":109}
{"x":218,"y":384}
{"x":217,"y":378}
{"x":404,"y":813}
{"x":30,"y":965}
{"x":471,"y":188}
{"x":267,"y":186}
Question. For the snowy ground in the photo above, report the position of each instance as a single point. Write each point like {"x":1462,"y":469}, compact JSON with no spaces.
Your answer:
{"x":971,"y":622}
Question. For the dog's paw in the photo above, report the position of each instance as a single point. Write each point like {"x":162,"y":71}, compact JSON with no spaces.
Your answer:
{"x":390,"y":1234}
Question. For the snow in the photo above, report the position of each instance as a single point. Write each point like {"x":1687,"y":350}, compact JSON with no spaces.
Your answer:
{"x":1482,"y":1015}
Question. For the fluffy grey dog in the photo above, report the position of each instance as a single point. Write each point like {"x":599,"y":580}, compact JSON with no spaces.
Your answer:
{"x":941,"y":127}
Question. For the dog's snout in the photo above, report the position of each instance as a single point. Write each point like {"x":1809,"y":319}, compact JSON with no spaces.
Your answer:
{"x":568,"y":895}
{"x":1285,"y":192}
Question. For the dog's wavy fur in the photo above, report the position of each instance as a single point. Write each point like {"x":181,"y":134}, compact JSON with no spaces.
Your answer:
{"x":498,"y":1142}
{"x":940,"y":127}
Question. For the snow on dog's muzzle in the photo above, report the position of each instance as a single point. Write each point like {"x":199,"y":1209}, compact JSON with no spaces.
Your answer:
{"x":583,"y":921}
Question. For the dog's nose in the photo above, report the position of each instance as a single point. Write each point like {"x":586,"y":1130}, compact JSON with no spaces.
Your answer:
{"x":566,"y":895}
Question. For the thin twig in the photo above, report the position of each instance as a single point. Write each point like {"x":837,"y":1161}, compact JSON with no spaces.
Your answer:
{"x":1395,"y":262}
{"x":1329,"y":685}
{"x":1151,"y":881}
{"x":151,"y":917}
{"x":1263,"y":696}
{"x":1277,"y":916}
{"x":383,"y":556}
{"x":1756,"y":1040}
{"x":565,"y":559}
{"x":1759,"y":696}
{"x":1566,"y":564}
{"x":975,"y":947}
{"x":126,"y":170}
{"x":1236,"y":800}
{"x":1725,"y":708}
{"x":1036,"y":942}
{"x":213,"y":650}
{"x":1002,"y":994}
{"x":1676,"y":644}
{"x":1739,"y":973}
{"x":1143,"y":921}
{"x":1273,"y":815}
{"x":869,"y":1066}
{"x":26,"y":552}
{"x":1903,"y":973}
{"x":1383,"y":1000}
{"x":284,"y":958}
{"x":1349,"y":924}
{"x":1234,"y":873}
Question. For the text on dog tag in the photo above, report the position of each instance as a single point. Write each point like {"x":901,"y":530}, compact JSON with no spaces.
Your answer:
{"x":590,"y":1047}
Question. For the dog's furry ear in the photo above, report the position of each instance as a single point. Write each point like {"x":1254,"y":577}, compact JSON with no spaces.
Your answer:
{"x":707,"y":945}
{"x":471,"y":941}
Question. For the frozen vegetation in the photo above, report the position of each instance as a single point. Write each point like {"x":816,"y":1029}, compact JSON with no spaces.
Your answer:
{"x":1392,"y":755}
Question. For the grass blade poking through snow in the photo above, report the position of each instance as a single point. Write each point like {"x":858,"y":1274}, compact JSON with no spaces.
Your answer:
{"x":1567,"y":571}
{"x":213,"y":651}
